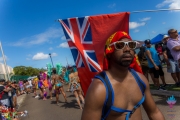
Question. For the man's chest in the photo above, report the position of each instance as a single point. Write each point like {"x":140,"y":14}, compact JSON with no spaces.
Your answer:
{"x":127,"y":95}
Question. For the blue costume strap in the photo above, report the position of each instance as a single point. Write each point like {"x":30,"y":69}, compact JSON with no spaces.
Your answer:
{"x":141,"y":84}
{"x":109,"y":94}
{"x":119,"y":109}
{"x":100,"y":78}
{"x":128,"y":115}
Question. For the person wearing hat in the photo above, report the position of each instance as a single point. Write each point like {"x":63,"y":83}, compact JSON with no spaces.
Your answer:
{"x":172,"y":65}
{"x":154,"y":64}
{"x":118,"y":92}
{"x":174,"y":45}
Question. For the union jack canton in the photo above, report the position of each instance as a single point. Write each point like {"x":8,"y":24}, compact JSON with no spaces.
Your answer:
{"x":78,"y":34}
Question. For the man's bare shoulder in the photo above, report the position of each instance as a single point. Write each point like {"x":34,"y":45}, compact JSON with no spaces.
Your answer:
{"x":97,"y":90}
{"x":143,"y":78}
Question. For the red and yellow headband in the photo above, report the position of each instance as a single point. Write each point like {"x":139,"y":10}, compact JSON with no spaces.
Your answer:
{"x":117,"y":36}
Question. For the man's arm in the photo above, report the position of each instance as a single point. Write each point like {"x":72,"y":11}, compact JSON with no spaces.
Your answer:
{"x":166,"y":57}
{"x":150,"y":58}
{"x":94,"y":101}
{"x":176,"y":48}
{"x":7,"y":89}
{"x":149,"y":105}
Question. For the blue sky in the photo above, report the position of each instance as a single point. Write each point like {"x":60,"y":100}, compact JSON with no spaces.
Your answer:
{"x":29,"y":32}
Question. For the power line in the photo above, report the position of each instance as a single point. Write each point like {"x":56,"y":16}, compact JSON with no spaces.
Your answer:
{"x":158,"y":10}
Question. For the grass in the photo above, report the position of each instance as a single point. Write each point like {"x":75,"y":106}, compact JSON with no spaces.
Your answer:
{"x":170,"y":87}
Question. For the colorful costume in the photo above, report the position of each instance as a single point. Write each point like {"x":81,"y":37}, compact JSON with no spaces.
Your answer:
{"x":74,"y":84}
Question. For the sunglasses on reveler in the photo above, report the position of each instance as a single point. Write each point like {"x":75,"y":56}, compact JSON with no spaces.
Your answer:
{"x":121,"y":44}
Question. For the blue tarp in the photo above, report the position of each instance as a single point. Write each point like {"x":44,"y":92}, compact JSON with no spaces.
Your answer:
{"x":158,"y":38}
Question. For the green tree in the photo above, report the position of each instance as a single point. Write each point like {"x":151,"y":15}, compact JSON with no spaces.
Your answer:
{"x":23,"y":70}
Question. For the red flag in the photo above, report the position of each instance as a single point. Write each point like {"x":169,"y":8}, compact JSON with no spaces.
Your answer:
{"x":86,"y":38}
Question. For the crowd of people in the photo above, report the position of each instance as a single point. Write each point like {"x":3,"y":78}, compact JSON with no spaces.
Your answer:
{"x":9,"y":91}
{"x":152,"y":58}
{"x":40,"y":86}
{"x":44,"y":84}
{"x":112,"y":83}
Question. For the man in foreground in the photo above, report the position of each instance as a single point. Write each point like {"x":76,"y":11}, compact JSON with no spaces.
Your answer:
{"x":117,"y":93}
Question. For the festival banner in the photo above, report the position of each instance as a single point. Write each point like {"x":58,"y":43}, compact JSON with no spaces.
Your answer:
{"x":86,"y":38}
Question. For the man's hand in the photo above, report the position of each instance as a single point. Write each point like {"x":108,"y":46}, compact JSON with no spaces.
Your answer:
{"x":156,"y":67}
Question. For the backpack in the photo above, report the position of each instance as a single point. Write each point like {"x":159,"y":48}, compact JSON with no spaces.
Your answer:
{"x":142,"y":59}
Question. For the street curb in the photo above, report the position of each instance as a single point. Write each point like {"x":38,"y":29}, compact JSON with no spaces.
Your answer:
{"x":20,"y":100}
{"x":166,"y":93}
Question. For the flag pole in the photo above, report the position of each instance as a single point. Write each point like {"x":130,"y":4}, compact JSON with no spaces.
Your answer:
{"x":67,"y":61}
{"x":4,"y":62}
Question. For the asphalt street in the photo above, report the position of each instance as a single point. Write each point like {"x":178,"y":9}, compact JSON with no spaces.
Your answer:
{"x":48,"y":110}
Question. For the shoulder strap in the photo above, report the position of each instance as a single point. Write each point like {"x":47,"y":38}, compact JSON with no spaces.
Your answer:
{"x":109,"y":95}
{"x":139,"y":81}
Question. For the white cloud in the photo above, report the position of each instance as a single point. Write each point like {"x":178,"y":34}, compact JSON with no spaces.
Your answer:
{"x":64,"y":45}
{"x":145,"y":19}
{"x":153,"y":32}
{"x":50,"y":48}
{"x":133,"y":25}
{"x":28,"y":59}
{"x":29,"y":55}
{"x":63,"y":38}
{"x":136,"y":30}
{"x":172,"y":4}
{"x":163,"y":22}
{"x":41,"y":56}
{"x":1,"y":58}
{"x":54,"y":54}
{"x":40,"y":38}
{"x":112,"y":5}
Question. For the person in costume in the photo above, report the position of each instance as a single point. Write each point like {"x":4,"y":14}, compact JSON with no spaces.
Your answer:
{"x":40,"y":84}
{"x":118,"y":92}
{"x":45,"y":86}
{"x":50,"y":86}
{"x":74,"y":86}
{"x":58,"y":82}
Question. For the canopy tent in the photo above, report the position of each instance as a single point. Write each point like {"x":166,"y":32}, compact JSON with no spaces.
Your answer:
{"x":158,"y":38}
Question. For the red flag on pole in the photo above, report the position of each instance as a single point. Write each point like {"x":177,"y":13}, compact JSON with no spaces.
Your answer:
{"x":86,"y":38}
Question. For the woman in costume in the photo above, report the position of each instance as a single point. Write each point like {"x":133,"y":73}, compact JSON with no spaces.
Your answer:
{"x":75,"y":87}
{"x":50,"y":86}
{"x":40,"y":84}
{"x":45,"y":86}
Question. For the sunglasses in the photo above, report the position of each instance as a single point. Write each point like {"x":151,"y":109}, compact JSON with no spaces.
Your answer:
{"x":120,"y":44}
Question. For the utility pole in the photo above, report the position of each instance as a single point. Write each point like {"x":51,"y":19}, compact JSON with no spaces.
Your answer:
{"x":7,"y":77}
{"x":51,"y":59}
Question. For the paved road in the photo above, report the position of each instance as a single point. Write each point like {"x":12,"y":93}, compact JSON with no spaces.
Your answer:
{"x":48,"y":110}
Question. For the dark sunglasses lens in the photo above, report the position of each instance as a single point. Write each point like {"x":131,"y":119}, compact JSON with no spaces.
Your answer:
{"x":132,"y":45}
{"x":119,"y":45}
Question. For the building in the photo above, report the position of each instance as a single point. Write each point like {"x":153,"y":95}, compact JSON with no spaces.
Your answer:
{"x":3,"y":71}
